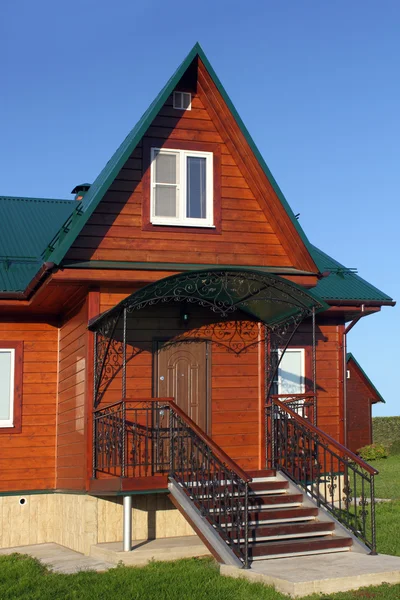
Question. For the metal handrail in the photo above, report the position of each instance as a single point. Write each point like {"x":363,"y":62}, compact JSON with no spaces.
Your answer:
{"x":364,"y":465}
{"x":330,"y":473}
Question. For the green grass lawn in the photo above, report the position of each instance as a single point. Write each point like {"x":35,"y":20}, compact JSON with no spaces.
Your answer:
{"x":23,"y":578}
{"x":387,"y":483}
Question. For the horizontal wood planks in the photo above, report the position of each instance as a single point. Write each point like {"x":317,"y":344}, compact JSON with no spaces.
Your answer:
{"x":359,"y":405}
{"x":71,"y":409}
{"x":116,"y":231}
{"x":27,"y":459}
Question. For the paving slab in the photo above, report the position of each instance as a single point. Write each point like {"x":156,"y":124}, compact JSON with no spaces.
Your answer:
{"x":61,"y":559}
{"x":324,"y":573}
{"x":143,"y":551}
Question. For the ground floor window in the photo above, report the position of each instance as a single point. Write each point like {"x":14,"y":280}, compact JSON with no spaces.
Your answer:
{"x":291,"y":372}
{"x":10,"y":384}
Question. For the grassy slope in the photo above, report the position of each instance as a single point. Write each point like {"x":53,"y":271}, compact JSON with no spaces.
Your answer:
{"x":22,"y":578}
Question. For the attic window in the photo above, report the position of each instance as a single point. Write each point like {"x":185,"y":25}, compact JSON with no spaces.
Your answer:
{"x":181,"y":187}
{"x":182,"y":100}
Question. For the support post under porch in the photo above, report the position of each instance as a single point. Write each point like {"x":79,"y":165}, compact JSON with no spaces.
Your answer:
{"x":127,"y":526}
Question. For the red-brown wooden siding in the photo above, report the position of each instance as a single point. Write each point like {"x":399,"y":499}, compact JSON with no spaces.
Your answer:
{"x":27,"y":459}
{"x":359,"y":405}
{"x":71,"y":444}
{"x":114,"y":231}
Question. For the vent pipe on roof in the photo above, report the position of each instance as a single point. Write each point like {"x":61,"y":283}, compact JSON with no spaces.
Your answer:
{"x":80,"y":190}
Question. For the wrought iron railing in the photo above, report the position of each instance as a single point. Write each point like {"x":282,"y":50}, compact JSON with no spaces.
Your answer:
{"x":302,"y":404}
{"x":148,"y":437}
{"x":131,"y":439}
{"x":331,"y":474}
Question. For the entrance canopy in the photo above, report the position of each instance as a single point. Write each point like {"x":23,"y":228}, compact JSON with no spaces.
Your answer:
{"x":263,"y":296}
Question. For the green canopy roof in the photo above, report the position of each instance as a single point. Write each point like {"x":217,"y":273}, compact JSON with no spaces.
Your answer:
{"x":264,"y":296}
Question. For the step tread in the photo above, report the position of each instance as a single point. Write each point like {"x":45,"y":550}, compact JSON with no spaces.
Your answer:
{"x":257,"y":487}
{"x":261,"y":473}
{"x":256,"y":531}
{"x":282,"y":513}
{"x":299,"y":545}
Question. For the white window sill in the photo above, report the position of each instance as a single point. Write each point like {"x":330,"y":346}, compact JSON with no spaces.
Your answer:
{"x":172,"y":224}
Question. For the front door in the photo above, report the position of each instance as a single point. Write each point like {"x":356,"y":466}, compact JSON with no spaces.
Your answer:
{"x":181,"y":373}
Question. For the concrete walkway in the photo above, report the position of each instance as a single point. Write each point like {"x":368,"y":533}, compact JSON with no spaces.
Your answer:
{"x":144,"y":551}
{"x":61,"y":559}
{"x":325,"y":573}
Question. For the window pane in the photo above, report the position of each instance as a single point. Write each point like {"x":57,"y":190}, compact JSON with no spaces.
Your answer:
{"x":165,"y":201}
{"x":196,"y":188}
{"x":5,"y":390}
{"x":165,"y":171}
{"x":290,"y":373}
{"x":185,"y":100}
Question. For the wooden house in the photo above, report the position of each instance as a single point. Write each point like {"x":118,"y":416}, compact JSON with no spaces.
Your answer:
{"x":361,"y":395}
{"x":173,"y":348}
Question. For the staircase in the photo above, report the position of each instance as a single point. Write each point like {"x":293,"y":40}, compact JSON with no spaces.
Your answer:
{"x":281,"y":521}
{"x":320,"y":498}
{"x":281,"y":525}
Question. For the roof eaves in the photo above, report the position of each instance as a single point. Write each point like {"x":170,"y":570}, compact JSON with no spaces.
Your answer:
{"x":350,"y":356}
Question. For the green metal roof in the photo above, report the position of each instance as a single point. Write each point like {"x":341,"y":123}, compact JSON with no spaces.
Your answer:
{"x":343,"y":284}
{"x":61,"y":244}
{"x":350,"y":356}
{"x":26,"y":226}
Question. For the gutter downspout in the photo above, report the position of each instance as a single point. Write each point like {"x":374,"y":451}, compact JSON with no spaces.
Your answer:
{"x":346,"y":331}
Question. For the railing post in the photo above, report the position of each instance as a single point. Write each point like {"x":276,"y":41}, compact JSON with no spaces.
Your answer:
{"x":373,"y":523}
{"x":273,"y":441}
{"x":246,"y":525}
{"x":314,"y":367}
{"x":127,"y":532}
{"x":124,"y":357}
{"x":171,"y":443}
{"x":94,"y":438}
{"x":123,"y":452}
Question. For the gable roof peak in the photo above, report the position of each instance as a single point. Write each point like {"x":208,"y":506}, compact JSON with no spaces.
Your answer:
{"x":94,"y":195}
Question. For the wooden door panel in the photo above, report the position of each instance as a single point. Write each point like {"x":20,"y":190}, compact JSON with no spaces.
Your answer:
{"x":182,"y":375}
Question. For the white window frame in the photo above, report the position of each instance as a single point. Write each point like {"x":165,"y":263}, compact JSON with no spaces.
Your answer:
{"x":10,"y":422}
{"x":178,"y":105}
{"x":181,"y":220}
{"x":303,"y":373}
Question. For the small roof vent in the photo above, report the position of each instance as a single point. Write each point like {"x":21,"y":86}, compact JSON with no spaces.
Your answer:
{"x":80,"y":190}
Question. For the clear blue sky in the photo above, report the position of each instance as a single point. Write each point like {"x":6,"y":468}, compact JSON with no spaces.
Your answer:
{"x":317,"y":84}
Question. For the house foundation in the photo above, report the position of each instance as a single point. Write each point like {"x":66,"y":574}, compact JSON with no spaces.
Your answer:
{"x":79,"y":521}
